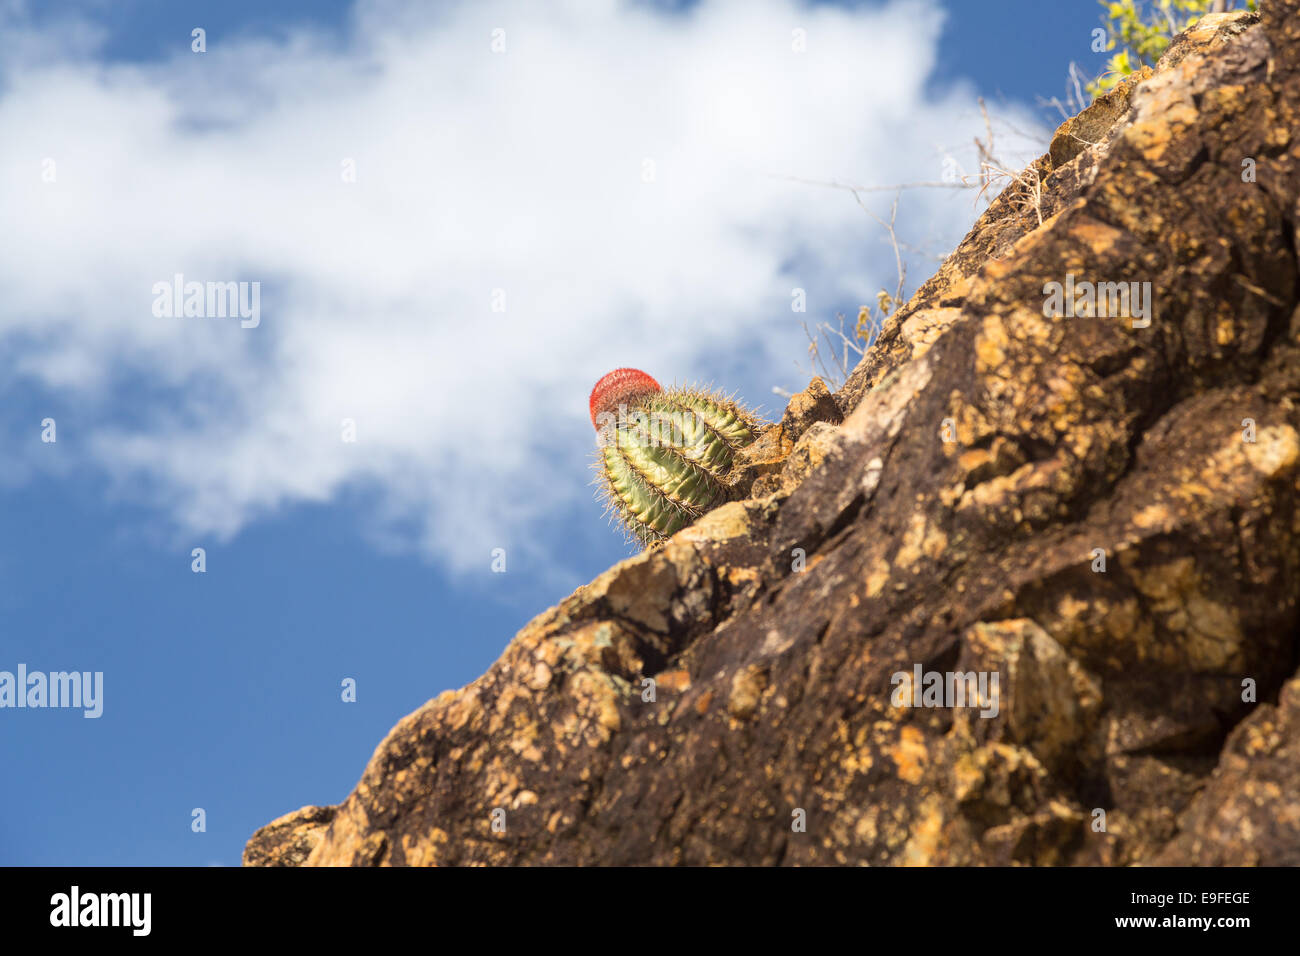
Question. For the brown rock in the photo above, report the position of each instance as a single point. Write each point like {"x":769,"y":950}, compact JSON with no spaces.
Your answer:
{"x":814,"y":404}
{"x":757,"y":468}
{"x":1100,"y":513}
{"x":289,"y":840}
{"x":1091,"y":126}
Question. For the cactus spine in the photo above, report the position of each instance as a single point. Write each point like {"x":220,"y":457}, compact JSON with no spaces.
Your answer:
{"x":665,"y":454}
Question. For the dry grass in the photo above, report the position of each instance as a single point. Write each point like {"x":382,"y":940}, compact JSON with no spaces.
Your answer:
{"x":833,"y":351}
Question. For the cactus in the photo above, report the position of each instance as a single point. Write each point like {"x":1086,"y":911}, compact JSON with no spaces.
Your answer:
{"x":665,"y":454}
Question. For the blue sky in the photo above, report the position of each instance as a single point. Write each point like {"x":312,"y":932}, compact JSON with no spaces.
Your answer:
{"x":371,"y":560}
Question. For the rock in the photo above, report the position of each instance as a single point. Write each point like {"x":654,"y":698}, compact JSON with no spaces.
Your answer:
{"x":289,"y":840}
{"x":757,"y":468}
{"x":1100,"y":513}
{"x":814,"y":404}
{"x":1248,"y":814}
{"x":1091,"y":126}
{"x":1209,"y":31}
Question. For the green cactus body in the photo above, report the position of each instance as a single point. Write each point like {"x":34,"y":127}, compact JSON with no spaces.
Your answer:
{"x":665,"y":453}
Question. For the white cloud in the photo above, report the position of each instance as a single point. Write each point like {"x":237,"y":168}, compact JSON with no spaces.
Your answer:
{"x":476,"y":171}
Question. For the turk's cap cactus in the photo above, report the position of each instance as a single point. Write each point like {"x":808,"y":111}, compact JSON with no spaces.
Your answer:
{"x":665,"y":454}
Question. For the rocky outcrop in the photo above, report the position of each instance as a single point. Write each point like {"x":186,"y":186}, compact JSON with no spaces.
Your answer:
{"x":1093,"y":517}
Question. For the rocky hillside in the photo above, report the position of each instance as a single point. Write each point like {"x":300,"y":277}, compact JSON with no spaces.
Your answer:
{"x":1094,"y":505}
